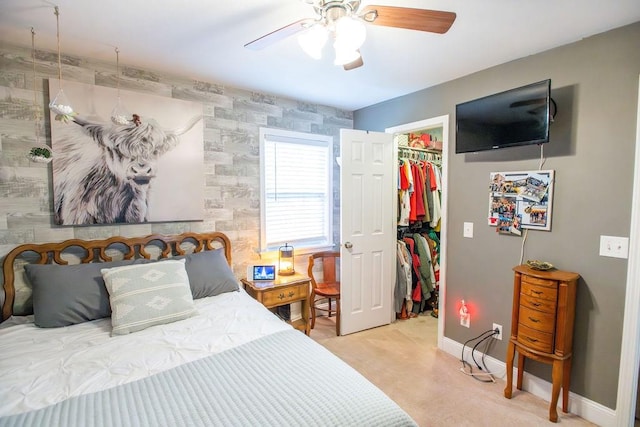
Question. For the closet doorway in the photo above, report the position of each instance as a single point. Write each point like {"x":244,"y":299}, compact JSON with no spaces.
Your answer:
{"x":441,"y":124}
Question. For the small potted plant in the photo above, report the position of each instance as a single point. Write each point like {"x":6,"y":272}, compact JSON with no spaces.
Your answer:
{"x":40,"y":154}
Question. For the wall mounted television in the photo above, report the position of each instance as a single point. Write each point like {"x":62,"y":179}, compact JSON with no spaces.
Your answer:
{"x":519,"y":116}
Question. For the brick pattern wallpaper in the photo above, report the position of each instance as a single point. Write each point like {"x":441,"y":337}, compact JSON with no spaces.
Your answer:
{"x":232,"y":118}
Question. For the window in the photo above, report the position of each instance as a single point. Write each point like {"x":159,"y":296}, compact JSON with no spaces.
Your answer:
{"x":295,"y":190}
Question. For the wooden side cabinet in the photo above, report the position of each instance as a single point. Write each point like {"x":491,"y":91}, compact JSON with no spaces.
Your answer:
{"x":543,"y":312}
{"x":284,"y":290}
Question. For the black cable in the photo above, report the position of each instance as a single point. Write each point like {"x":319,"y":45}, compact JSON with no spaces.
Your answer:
{"x":476,"y":346}
{"x":483,"y":336}
{"x":473,"y":339}
{"x":488,"y":341}
{"x":484,"y":353}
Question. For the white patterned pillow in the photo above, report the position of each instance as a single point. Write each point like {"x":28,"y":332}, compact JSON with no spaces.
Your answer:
{"x":144,"y":295}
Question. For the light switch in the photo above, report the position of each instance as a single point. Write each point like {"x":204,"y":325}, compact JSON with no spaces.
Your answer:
{"x":616,"y":247}
{"x":467,"y":230}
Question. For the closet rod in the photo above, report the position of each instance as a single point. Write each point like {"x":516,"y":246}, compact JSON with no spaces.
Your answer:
{"x":425,"y":150}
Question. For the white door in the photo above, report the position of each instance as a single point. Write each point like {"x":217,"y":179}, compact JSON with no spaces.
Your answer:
{"x":367,"y":229}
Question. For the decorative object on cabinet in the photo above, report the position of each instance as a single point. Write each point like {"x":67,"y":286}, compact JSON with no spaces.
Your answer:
{"x":283,"y":291}
{"x":285,"y":260}
{"x":539,"y":265}
{"x":60,"y":105}
{"x":262,"y":272}
{"x":520,"y":200}
{"x":543,"y":312}
{"x":326,"y":289}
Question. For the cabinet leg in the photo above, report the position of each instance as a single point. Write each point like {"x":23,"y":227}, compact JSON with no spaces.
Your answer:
{"x":566,"y":379}
{"x":556,"y":378}
{"x":521,"y":359}
{"x":511,"y":349}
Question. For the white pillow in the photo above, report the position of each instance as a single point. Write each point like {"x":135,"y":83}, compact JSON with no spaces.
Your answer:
{"x":143,"y":295}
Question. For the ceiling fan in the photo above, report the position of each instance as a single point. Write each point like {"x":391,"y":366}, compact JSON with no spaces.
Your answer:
{"x":342,"y":20}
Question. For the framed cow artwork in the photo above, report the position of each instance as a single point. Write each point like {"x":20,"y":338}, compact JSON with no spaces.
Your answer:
{"x":148,"y":167}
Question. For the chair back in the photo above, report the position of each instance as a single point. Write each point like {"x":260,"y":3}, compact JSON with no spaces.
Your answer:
{"x":329,"y":270}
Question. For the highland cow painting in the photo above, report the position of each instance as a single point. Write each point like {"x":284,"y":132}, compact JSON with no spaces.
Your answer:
{"x":110,"y":169}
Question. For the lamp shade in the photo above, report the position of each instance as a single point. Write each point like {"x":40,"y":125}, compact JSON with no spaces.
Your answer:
{"x":285,"y":260}
{"x":345,"y":56}
{"x":350,"y":33}
{"x":313,"y":40}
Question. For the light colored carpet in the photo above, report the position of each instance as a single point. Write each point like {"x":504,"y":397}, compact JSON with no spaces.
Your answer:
{"x":403,"y":360}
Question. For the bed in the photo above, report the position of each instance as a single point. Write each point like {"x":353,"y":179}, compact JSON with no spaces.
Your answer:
{"x":156,"y":331}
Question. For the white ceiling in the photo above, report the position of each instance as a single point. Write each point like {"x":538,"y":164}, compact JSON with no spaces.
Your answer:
{"x":204,"y":39}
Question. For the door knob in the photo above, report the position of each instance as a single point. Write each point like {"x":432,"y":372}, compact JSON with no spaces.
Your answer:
{"x":348,"y":245}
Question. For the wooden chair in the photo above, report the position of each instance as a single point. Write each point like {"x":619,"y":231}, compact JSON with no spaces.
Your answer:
{"x":328,"y":288}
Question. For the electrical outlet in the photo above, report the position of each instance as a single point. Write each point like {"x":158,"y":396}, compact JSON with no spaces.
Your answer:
{"x":497,"y":336}
{"x":467,"y":230}
{"x":465,"y":320}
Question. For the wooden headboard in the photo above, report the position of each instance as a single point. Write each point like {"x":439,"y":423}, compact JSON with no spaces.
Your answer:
{"x":97,"y":251}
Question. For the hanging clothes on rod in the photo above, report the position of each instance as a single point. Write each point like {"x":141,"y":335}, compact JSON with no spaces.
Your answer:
{"x":419,"y":186}
{"x":419,"y":215}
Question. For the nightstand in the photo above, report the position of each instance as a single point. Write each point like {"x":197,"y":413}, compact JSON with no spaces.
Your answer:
{"x":284,"y":290}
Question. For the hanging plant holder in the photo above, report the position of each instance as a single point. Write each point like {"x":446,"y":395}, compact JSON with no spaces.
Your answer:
{"x":40,"y":154}
{"x":120,"y":115}
{"x":61,"y":107}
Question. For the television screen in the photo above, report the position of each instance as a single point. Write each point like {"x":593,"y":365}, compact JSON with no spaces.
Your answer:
{"x":514,"y":117}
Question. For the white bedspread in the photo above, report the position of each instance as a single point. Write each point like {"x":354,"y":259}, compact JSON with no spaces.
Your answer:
{"x":39,"y":367}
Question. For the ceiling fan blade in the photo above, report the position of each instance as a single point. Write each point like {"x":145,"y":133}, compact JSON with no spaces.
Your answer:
{"x":354,"y":64}
{"x":432,"y":21}
{"x":279,"y":34}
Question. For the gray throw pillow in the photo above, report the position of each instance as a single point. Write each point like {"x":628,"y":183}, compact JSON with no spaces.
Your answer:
{"x":209,"y":273}
{"x":68,"y":294}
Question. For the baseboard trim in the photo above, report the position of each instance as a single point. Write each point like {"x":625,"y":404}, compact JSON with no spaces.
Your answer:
{"x":579,"y":405}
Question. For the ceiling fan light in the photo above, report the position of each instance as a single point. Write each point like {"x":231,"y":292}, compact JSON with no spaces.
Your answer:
{"x":350,"y":32}
{"x":313,"y":40}
{"x":345,"y":56}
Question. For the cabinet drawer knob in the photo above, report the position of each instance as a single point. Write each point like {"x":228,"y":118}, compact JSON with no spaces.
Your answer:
{"x":531,"y":339}
{"x":536,"y":304}
{"x":536,"y":292}
{"x":534,"y":320}
{"x":282,"y":296}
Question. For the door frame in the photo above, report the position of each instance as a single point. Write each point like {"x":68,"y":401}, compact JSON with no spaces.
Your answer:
{"x":630,"y":350}
{"x":434,"y":122}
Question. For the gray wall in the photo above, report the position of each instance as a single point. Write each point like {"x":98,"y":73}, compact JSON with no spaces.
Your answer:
{"x":595,"y":84}
{"x":232,"y":118}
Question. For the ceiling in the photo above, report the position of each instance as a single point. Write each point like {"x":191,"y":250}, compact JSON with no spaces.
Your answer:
{"x":204,"y":39}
